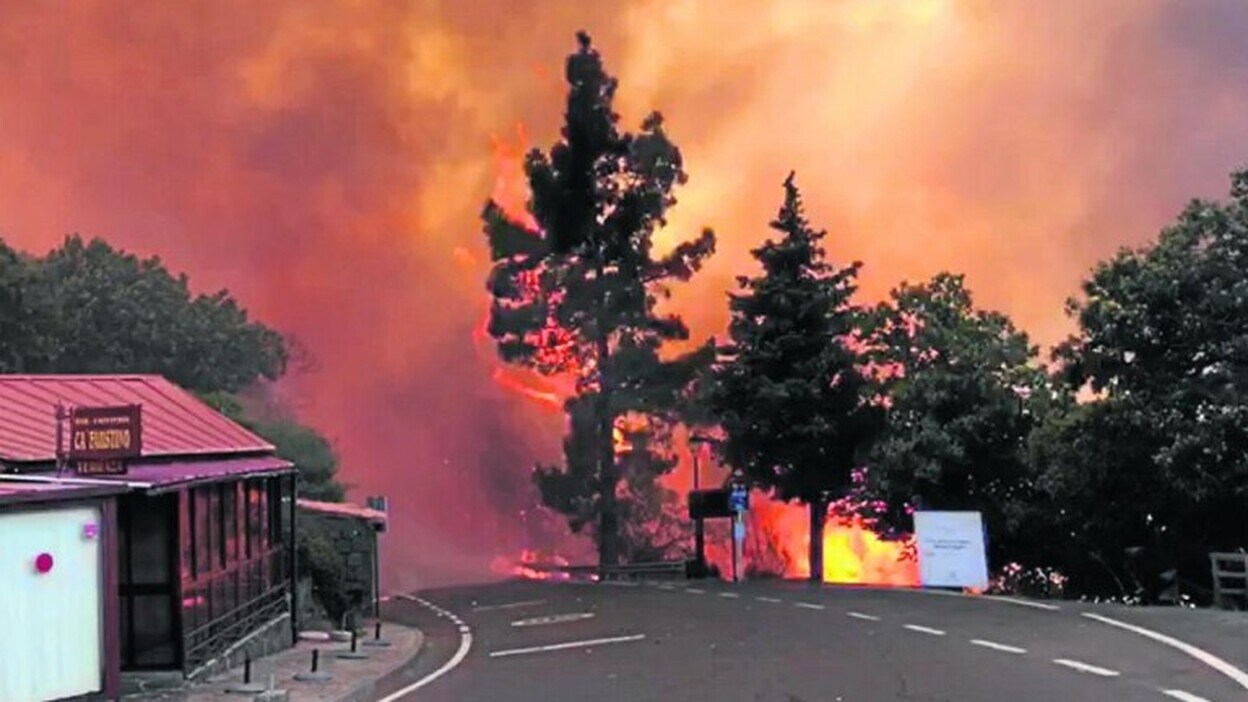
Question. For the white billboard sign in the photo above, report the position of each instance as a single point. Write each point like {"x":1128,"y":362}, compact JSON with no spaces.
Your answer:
{"x":951,"y":549}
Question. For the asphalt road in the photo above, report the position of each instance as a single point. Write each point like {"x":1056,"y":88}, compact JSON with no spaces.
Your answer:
{"x":785,"y":642}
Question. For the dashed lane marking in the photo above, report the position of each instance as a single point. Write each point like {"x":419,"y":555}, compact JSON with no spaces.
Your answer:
{"x":565,"y":645}
{"x":1024,"y":603}
{"x":865,"y":617}
{"x":925,"y":630}
{"x":772,"y":600}
{"x":998,"y":646}
{"x":695,"y":591}
{"x":553,"y":619}
{"x":1183,"y":696}
{"x":1087,"y":668}
{"x":508,"y":605}
{"x":1199,"y":654}
{"x":808,"y":605}
{"x":465,"y":645}
{"x":731,"y":595}
{"x":669,"y":588}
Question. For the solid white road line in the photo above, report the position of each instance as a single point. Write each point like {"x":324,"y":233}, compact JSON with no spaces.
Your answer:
{"x":772,"y":600}
{"x":860,"y":615}
{"x":1201,"y":655}
{"x":566,"y":645}
{"x":695,"y":591}
{"x":1024,"y":603}
{"x":925,"y":630}
{"x":465,"y":645}
{"x":508,"y":605}
{"x":1184,"y":696}
{"x":729,"y":594}
{"x":997,"y":646}
{"x":808,"y":605}
{"x":1086,"y":668}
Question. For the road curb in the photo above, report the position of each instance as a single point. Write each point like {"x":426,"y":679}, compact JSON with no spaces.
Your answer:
{"x":366,"y":690}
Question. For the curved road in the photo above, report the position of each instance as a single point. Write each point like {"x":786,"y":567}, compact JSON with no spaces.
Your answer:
{"x":777,"y":641}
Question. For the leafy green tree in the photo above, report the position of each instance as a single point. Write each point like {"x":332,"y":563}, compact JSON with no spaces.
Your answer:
{"x":963,"y":392}
{"x":308,"y":449}
{"x":1163,"y":343}
{"x":578,"y":294}
{"x":106,"y":311}
{"x":20,"y":338}
{"x":790,"y":395}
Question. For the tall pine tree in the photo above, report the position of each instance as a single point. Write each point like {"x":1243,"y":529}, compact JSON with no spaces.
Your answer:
{"x":579,"y":294}
{"x":789,"y":394}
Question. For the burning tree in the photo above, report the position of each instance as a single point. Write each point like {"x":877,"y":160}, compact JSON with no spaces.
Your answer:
{"x":575,"y":291}
{"x":793,"y":402}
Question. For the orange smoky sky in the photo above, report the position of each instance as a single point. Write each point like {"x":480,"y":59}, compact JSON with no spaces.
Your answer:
{"x":326,"y":161}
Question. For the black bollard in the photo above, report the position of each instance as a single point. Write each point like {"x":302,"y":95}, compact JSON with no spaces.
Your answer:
{"x":354,"y":636}
{"x":315,"y":675}
{"x":377,"y":641}
{"x":354,"y":653}
{"x":246,"y":687}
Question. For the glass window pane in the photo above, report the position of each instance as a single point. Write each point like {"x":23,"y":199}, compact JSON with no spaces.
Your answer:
{"x":153,"y":631}
{"x":203,"y":533}
{"x":149,"y":542}
{"x":229,"y":525}
{"x":185,"y":543}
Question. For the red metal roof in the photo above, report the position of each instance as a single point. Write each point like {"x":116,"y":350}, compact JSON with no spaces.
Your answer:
{"x":175,"y":423}
{"x":343,"y":509}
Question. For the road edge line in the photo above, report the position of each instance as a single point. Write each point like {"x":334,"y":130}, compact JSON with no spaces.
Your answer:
{"x":1230,"y":671}
{"x":465,"y":645}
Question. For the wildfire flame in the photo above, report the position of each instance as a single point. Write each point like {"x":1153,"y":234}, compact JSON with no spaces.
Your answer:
{"x":780,"y":534}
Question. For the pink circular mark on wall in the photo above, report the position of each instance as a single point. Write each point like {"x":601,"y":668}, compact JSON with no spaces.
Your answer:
{"x":43,"y":563}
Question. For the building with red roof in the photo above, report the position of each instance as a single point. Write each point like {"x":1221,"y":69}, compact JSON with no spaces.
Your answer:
{"x":189,"y":515}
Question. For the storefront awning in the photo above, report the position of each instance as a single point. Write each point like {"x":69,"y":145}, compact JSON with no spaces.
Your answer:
{"x":155,"y":478}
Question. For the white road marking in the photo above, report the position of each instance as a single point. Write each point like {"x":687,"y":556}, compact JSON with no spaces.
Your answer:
{"x":998,"y":646}
{"x":808,"y":605}
{"x":695,"y":591}
{"x":728,"y":594}
{"x":1184,"y":696}
{"x":554,"y":619}
{"x":620,"y":583}
{"x":465,"y":645}
{"x":1024,"y":603}
{"x":924,"y":630}
{"x":772,"y":600}
{"x":563,"y":646}
{"x":1086,"y":668}
{"x":508,"y":605}
{"x":860,"y":615}
{"x":667,"y":587}
{"x":1201,"y":655}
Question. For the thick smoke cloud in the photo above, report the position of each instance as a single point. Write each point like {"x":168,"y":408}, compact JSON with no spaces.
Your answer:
{"x":325,"y":160}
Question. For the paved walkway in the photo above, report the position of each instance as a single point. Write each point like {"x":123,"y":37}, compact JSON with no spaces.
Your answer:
{"x":352,"y":680}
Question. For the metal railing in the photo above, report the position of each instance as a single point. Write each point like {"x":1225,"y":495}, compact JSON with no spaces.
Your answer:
{"x":1230,"y":578}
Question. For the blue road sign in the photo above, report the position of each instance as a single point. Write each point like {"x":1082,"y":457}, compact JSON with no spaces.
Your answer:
{"x":739,"y":500}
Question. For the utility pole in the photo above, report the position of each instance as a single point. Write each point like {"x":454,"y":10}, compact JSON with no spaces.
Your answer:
{"x":696,"y":442}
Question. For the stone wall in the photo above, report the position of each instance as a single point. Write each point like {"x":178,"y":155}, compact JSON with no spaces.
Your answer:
{"x":354,"y":541}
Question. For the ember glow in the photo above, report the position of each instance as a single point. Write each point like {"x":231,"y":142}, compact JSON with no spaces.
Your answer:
{"x":327,"y":161}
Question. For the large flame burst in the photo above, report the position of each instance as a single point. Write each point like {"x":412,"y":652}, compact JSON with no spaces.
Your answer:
{"x":779,"y":534}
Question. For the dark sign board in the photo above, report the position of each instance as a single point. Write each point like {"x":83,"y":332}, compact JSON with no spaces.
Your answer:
{"x":102,"y":438}
{"x":710,"y":504}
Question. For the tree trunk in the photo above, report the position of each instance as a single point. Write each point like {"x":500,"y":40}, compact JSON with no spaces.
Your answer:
{"x":608,"y":517}
{"x":818,"y":515}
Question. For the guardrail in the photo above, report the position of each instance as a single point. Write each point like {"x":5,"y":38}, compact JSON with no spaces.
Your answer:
{"x":618,"y":572}
{"x":1230,"y":578}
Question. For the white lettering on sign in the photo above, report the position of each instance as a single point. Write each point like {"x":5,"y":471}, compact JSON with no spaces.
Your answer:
{"x":951,"y":549}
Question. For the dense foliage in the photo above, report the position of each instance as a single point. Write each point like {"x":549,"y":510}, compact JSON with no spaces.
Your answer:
{"x":789,"y":393}
{"x":577,"y":294}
